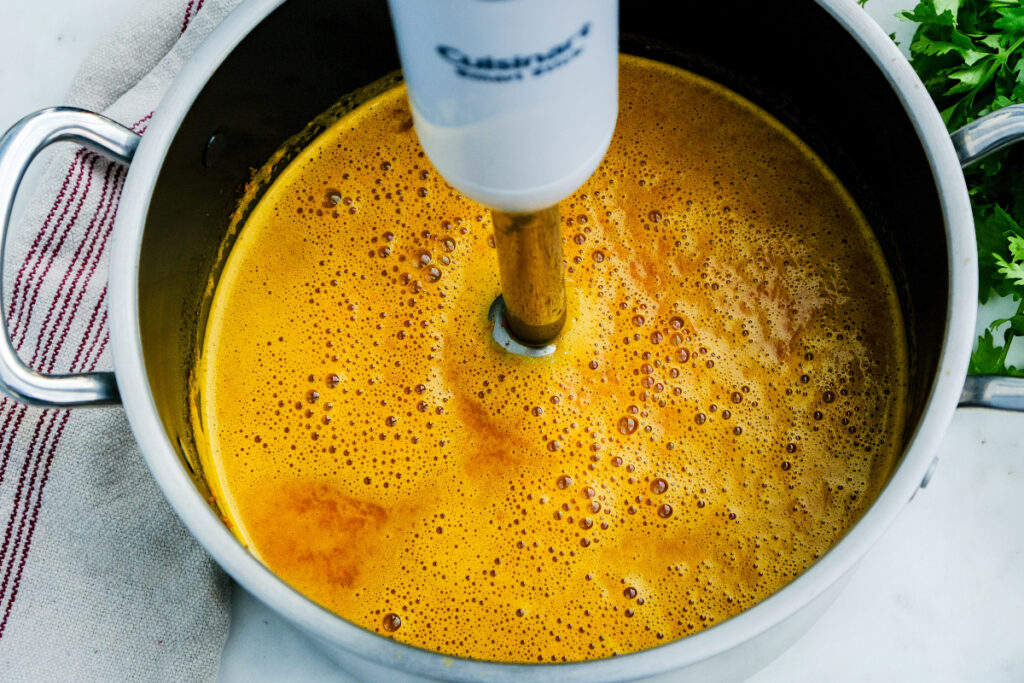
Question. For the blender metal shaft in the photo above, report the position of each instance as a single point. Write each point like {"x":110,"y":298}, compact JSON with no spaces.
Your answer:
{"x":530,"y":267}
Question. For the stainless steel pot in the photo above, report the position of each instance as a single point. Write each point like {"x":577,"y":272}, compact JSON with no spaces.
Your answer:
{"x":272,"y":66}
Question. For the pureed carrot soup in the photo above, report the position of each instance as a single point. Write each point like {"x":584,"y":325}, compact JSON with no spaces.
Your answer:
{"x":725,"y":402}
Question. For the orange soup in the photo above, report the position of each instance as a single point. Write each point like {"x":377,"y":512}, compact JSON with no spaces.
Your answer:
{"x":725,"y":401}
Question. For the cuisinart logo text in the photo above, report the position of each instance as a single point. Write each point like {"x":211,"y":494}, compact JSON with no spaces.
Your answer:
{"x":516,"y":67}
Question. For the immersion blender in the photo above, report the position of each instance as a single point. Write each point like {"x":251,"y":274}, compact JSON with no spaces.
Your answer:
{"x":514,"y":101}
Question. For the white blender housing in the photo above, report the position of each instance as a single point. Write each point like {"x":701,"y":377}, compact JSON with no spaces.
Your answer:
{"x":514,"y":101}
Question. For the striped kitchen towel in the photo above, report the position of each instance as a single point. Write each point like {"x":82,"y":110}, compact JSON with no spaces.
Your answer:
{"x":98,"y":578}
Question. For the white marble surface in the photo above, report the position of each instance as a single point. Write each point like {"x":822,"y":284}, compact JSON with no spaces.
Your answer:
{"x":940,"y":598}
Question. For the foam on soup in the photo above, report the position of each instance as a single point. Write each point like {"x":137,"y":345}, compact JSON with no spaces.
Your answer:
{"x":725,"y":402}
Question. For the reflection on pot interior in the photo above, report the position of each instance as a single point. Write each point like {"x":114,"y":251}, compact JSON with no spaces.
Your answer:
{"x":725,"y":401}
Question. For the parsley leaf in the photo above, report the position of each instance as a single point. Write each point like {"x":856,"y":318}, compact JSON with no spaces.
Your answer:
{"x":1013,"y":270}
{"x":988,"y":358}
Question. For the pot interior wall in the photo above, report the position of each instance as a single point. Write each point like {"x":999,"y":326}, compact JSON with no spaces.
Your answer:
{"x":792,"y":59}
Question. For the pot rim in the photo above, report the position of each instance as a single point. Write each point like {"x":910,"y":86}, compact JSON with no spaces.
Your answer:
{"x":221,"y":544}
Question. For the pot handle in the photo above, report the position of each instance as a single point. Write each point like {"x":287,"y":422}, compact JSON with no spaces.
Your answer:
{"x":977,"y":139}
{"x":993,"y":391}
{"x":18,"y":147}
{"x":989,"y":134}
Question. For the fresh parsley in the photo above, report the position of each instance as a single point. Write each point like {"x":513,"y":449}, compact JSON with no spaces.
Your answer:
{"x":970,"y":56}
